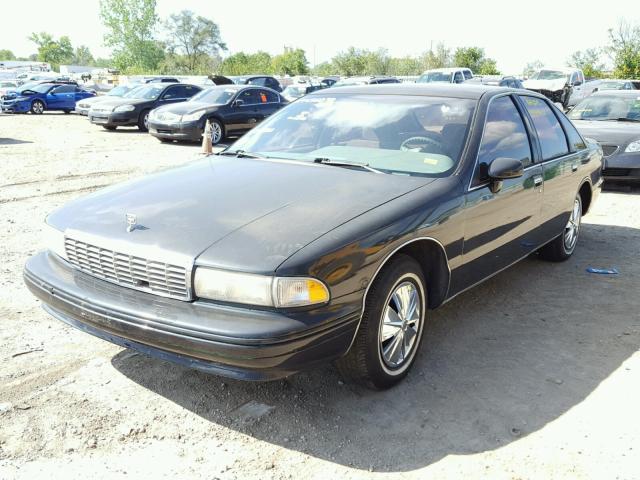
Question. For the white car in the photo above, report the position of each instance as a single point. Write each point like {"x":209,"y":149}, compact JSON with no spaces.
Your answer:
{"x":83,"y":106}
{"x":566,"y":86}
{"x":446,"y":75}
{"x":6,"y":86}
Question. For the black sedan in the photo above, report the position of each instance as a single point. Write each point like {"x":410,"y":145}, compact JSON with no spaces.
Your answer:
{"x":327,"y":232}
{"x":134,"y":110}
{"x":231,"y":109}
{"x":612,"y":117}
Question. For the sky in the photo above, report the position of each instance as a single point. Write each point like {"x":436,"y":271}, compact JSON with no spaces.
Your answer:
{"x":512,"y":33}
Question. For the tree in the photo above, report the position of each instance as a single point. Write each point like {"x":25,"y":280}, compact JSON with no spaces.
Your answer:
{"x":194,"y":39}
{"x":52,"y":51}
{"x":7,"y":55}
{"x":324,"y":69}
{"x":405,"y":66}
{"x":475,"y":59}
{"x":624,"y":50}
{"x":589,"y":62}
{"x":82,"y":56}
{"x":131,"y":27}
{"x":291,"y":62}
{"x":350,"y":63}
{"x":243,"y":64}
{"x":531,"y":68}
{"x":488,"y":67}
{"x":440,"y":58}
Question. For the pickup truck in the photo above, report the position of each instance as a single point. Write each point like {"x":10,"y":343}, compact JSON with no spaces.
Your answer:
{"x":446,"y":75}
{"x":566,"y":86}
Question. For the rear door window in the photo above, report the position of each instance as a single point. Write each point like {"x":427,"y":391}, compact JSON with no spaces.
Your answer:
{"x":504,"y":136}
{"x":250,"y":96}
{"x":553,"y":141}
{"x":467,"y":74}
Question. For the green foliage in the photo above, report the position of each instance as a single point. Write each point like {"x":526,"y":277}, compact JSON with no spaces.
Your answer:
{"x":52,"y":51}
{"x":291,"y":62}
{"x":438,"y":58}
{"x":589,"y":61}
{"x":242,"y":64}
{"x":475,"y":59}
{"x":131,"y":27}
{"x":356,"y":61}
{"x":323,"y":69}
{"x":624,"y":49}
{"x":194,"y":43}
{"x":7,"y":55}
{"x":82,"y":56}
{"x":405,"y":66}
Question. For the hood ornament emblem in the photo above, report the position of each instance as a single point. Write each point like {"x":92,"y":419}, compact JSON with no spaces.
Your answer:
{"x":132,"y":222}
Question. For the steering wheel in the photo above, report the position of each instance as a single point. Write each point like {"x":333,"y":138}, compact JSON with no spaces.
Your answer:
{"x":422,"y":143}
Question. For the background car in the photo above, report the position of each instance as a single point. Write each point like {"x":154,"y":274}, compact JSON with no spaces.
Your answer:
{"x":134,"y":110}
{"x":232,"y":109}
{"x":612,"y":117}
{"x":330,"y":80}
{"x":367,"y":80}
{"x":83,"y":106}
{"x":496,"y":81}
{"x":161,"y":80}
{"x":45,"y":96}
{"x":446,"y":75}
{"x":293,"y":92}
{"x":259,"y":80}
{"x":618,"y":85}
{"x":6,"y":87}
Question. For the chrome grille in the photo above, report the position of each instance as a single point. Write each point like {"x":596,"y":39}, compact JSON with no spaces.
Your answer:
{"x":130,"y":271}
{"x":608,"y":150}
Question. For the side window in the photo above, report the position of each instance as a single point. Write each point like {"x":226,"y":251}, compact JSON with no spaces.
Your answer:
{"x":467,"y":74}
{"x":189,"y":91}
{"x":504,"y":136}
{"x":553,"y":141}
{"x":266,"y":96}
{"x":249,"y":96}
{"x":576,"y":142}
{"x":457,"y":78}
{"x":257,"y":81}
{"x":64,"y":89}
{"x":173,"y":92}
{"x":271,"y":83}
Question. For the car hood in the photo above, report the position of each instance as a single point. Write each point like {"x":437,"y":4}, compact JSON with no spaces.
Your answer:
{"x":183,"y":108}
{"x":609,"y":132}
{"x":96,"y":99}
{"x":117,"y":101}
{"x":233,"y":213}
{"x":551,"y":85}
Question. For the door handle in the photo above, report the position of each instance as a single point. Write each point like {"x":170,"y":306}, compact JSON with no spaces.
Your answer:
{"x":537,"y":180}
{"x":574,"y":167}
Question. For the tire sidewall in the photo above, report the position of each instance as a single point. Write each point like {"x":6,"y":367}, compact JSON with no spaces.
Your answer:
{"x":381,"y":374}
{"x":569,"y":252}
{"x":141,"y":124}
{"x":216,"y":121}
{"x":33,"y":110}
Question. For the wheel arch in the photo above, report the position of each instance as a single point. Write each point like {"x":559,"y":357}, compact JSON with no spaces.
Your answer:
{"x":586,"y":195}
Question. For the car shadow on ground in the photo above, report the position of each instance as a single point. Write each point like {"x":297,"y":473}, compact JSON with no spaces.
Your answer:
{"x":13,"y":141}
{"x":497,"y":364}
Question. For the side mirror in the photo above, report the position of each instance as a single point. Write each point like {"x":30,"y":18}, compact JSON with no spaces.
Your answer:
{"x":577,"y":83}
{"x":504,"y":168}
{"x":238,"y":102}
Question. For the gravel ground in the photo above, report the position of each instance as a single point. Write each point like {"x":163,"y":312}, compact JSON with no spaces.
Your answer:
{"x":534,"y":374}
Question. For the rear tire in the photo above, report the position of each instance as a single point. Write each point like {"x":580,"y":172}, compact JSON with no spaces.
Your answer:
{"x":391,"y":328}
{"x":143,"y":121}
{"x":165,"y":140}
{"x":109,"y":127}
{"x":67,"y":112}
{"x":563,"y":246}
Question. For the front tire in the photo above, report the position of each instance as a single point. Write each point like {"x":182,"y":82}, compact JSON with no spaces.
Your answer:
{"x":391,"y":328}
{"x":143,"y":121}
{"x":563,"y":246}
{"x":37,"y":107}
{"x":217,"y":131}
{"x":109,"y":127}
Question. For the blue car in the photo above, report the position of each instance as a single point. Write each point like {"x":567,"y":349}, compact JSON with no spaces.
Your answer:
{"x":45,"y":96}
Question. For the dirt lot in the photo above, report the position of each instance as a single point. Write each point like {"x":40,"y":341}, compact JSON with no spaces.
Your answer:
{"x":534,"y":374}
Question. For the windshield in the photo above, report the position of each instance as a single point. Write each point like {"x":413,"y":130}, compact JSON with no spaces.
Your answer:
{"x":146,"y":92}
{"x":215,"y":95}
{"x":350,"y":81}
{"x":434,"y":77}
{"x":132,"y":93}
{"x":118,"y":91}
{"x":549,"y":75}
{"x":607,"y":108}
{"x":7,"y":84}
{"x":39,"y":88}
{"x":611,"y":86}
{"x":410,"y":135}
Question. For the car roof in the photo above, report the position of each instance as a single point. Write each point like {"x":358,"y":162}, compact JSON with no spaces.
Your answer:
{"x":462,"y":90}
{"x":446,"y":70}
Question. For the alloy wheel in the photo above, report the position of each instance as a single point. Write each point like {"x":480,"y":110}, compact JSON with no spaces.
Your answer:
{"x":216,"y":133}
{"x":573,"y":226}
{"x":400,"y":325}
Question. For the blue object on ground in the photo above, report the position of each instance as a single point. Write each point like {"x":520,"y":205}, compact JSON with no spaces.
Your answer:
{"x":603,"y":271}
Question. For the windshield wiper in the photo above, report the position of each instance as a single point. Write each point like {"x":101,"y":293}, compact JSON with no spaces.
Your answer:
{"x":343,"y":163}
{"x":627,"y":119}
{"x":242,"y":154}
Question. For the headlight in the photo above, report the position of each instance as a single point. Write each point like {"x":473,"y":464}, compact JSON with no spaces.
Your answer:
{"x":54,"y":240}
{"x":633,"y":147}
{"x":193,"y":116}
{"x":248,"y":288}
{"x":124,"y":108}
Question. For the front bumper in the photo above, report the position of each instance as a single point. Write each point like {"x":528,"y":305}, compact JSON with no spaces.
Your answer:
{"x":81,"y":110}
{"x":113,"y":119}
{"x":235,"y":342}
{"x":176,"y":131}
{"x":14,"y":107}
{"x":622,"y":167}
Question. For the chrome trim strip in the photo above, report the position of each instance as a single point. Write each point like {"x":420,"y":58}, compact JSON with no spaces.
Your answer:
{"x":382,"y":264}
